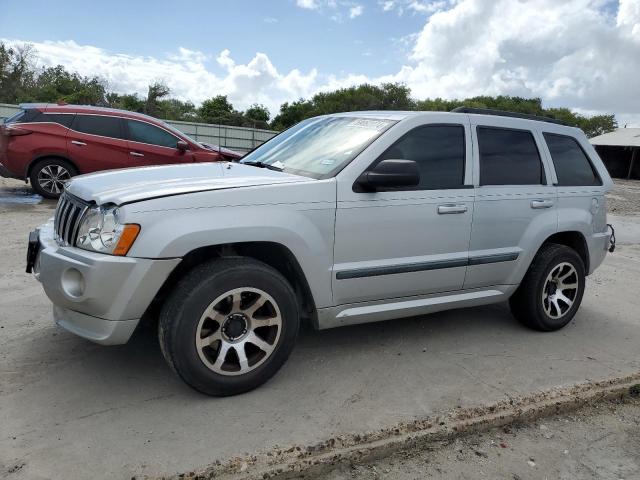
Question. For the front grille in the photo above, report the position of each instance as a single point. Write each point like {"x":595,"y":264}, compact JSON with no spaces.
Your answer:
{"x":69,"y":212}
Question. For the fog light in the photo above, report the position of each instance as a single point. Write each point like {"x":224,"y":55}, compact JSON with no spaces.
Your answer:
{"x":72,"y":282}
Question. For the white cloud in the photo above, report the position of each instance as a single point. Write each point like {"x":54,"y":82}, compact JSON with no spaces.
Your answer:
{"x":580,"y":54}
{"x":569,"y":53}
{"x":416,"y":6}
{"x":338,"y":9}
{"x":356,"y":11}
{"x":185,"y":72}
{"x":309,"y":4}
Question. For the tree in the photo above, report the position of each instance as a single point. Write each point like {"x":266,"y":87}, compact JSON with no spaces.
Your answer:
{"x":258,"y":114}
{"x":16,"y":73}
{"x":292,"y":113}
{"x":156,"y":91}
{"x":131,"y":102}
{"x":55,"y":84}
{"x":217,"y":109}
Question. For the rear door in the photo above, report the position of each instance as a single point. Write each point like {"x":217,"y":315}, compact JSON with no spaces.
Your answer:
{"x":152,"y":145}
{"x":96,"y":142}
{"x":515,"y":203}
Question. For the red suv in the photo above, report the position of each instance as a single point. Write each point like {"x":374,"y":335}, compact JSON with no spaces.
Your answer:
{"x":48,"y":144}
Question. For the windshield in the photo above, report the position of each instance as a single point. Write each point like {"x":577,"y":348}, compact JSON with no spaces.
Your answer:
{"x":15,"y":117}
{"x":319,"y":147}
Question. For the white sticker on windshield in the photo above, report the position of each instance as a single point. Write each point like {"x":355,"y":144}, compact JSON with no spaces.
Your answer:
{"x":368,"y":124}
{"x":328,"y":161}
{"x":278,"y":164}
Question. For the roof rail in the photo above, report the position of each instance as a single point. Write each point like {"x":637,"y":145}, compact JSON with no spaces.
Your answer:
{"x":502,"y":113}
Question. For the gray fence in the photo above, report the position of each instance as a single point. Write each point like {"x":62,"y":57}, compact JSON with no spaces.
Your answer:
{"x":237,"y":138}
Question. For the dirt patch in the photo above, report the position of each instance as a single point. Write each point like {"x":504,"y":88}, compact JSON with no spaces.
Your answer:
{"x":624,"y":199}
{"x":337,"y":452}
{"x":598,"y":441}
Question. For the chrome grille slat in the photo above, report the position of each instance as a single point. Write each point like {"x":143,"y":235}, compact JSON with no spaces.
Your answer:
{"x":67,"y":219}
{"x":76,"y":226}
{"x":67,"y":226}
{"x":63,"y":220}
{"x":56,"y":223}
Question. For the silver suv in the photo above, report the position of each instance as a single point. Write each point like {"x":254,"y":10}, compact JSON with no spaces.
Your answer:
{"x":342,"y":219}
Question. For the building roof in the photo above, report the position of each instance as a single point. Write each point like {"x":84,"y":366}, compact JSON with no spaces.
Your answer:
{"x":622,"y":137}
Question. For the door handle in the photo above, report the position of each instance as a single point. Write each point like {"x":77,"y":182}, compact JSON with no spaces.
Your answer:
{"x":78,"y":142}
{"x":136,"y":154}
{"x":541,"y":204}
{"x":450,"y":208}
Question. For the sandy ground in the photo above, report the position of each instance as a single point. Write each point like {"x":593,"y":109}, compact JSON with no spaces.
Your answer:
{"x":625,"y":198}
{"x":71,"y":409}
{"x":599,"y":442}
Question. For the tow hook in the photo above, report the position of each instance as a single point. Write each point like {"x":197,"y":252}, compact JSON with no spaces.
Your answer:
{"x":612,"y":238}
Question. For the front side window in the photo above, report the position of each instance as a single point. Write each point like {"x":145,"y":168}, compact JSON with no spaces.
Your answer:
{"x":571,"y":163}
{"x":319,"y":147}
{"x":98,"y":125}
{"x":508,"y":157}
{"x":439,"y":151}
{"x":146,"y":133}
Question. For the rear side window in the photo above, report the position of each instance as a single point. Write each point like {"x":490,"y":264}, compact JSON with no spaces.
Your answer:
{"x":146,"y":133}
{"x":64,"y":119}
{"x":508,"y":157}
{"x":98,"y":125}
{"x":439,"y":151}
{"x":571,"y":163}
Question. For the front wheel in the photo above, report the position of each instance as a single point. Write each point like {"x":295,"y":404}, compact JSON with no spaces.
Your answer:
{"x":229,"y":326}
{"x":551,"y":291}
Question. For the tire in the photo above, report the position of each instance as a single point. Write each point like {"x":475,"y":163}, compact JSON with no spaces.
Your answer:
{"x":48,"y":176}
{"x":201,"y":321}
{"x":538,"y":302}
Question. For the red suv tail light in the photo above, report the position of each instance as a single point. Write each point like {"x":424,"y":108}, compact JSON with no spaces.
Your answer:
{"x":14,"y":131}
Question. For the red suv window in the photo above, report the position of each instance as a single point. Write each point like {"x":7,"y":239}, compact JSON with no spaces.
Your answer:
{"x":98,"y":125}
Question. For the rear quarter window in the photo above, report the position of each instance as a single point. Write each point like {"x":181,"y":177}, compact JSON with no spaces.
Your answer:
{"x":573,"y":167}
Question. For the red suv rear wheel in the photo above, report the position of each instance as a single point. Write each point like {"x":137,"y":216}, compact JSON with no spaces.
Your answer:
{"x":49,"y":175}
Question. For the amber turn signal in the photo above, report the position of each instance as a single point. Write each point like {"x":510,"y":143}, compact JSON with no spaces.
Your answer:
{"x":129,"y":234}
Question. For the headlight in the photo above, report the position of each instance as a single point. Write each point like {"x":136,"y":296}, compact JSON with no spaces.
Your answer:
{"x":101,"y":231}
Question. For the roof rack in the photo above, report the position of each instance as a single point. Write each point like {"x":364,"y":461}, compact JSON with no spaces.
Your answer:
{"x":502,"y":113}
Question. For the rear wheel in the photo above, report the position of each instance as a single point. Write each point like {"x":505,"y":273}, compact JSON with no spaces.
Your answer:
{"x":48,"y":176}
{"x":551,"y":291}
{"x":229,"y":326}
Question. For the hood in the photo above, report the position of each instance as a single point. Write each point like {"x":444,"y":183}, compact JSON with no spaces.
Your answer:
{"x":135,"y":184}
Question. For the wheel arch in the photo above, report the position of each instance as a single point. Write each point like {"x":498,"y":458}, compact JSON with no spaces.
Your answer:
{"x":574,"y":240}
{"x":274,"y":254}
{"x":47,"y":156}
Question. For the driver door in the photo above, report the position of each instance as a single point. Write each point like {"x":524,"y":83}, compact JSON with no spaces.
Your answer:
{"x":407,"y":241}
{"x":152,"y":145}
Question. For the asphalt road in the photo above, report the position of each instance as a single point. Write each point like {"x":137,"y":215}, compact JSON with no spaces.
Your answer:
{"x":71,"y":409}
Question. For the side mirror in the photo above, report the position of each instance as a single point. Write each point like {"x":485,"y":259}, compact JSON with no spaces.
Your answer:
{"x":389,"y":174}
{"x":182,"y":145}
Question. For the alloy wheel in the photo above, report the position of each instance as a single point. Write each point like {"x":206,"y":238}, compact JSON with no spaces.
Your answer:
{"x":51,"y":178}
{"x":560,"y":290}
{"x":238,"y":331}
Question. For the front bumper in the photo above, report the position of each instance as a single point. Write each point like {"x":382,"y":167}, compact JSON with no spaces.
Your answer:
{"x":96,"y":296}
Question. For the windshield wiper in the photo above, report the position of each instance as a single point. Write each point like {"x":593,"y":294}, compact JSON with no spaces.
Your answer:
{"x":260,"y":164}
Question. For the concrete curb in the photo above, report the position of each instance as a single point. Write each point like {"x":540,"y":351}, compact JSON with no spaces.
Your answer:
{"x":321,"y":458}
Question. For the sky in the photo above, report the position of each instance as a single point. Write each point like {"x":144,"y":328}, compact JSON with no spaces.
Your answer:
{"x":581,"y":54}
